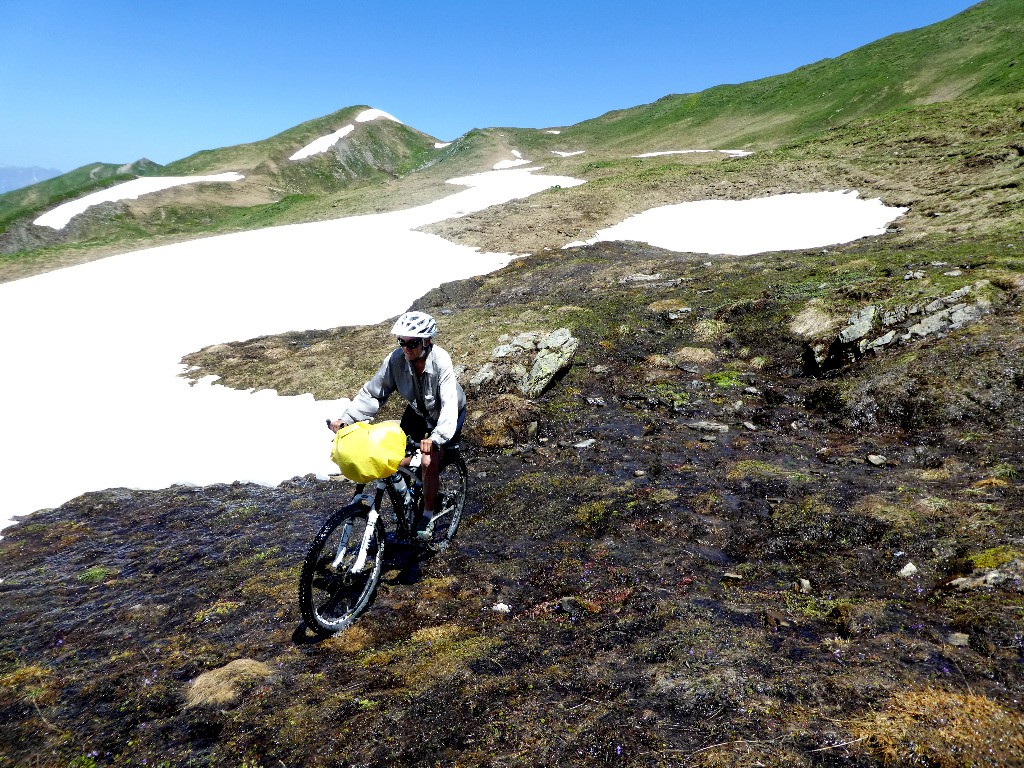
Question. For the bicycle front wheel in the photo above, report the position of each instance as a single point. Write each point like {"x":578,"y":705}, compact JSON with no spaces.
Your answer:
{"x":451,"y":493}
{"x":341,"y":571}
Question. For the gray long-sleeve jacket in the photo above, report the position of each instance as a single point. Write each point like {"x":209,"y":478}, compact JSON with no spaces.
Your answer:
{"x":442,"y":393}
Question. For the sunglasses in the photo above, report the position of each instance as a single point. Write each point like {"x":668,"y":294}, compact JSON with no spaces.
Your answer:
{"x":410,"y":344}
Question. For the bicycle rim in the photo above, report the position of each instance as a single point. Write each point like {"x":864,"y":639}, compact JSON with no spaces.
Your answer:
{"x":334,"y":587}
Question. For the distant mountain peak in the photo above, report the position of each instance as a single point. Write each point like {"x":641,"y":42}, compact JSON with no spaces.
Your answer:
{"x":16,"y":177}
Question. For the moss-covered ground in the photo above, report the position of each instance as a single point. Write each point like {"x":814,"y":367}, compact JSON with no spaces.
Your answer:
{"x":677,"y":596}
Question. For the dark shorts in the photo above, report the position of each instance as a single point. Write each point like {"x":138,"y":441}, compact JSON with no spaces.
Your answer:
{"x":415,"y":426}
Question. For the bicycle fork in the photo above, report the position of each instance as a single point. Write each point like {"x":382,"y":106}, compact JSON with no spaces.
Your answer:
{"x":364,"y":544}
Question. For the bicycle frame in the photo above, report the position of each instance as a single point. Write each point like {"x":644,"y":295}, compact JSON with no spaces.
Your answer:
{"x":373,"y":498}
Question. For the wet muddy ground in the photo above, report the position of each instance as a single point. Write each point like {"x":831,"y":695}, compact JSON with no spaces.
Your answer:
{"x":677,"y":564}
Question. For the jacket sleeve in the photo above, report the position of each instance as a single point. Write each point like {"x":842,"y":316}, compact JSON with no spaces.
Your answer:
{"x":448,"y":392}
{"x":372,"y":396}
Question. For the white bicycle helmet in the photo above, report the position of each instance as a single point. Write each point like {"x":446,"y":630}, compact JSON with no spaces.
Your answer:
{"x":415,"y":324}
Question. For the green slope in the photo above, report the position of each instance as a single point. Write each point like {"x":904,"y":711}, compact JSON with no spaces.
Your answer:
{"x":384,"y":164}
{"x":34,"y":200}
{"x":975,"y":53}
{"x":386,"y":138}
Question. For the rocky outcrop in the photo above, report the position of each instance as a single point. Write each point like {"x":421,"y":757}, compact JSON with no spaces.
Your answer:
{"x":526,"y":363}
{"x":874,"y":329}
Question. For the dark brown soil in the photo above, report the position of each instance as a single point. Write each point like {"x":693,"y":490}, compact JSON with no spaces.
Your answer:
{"x":677,"y":595}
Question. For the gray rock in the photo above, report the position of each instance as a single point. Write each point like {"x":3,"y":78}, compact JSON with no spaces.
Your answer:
{"x":860,"y":326}
{"x":963,"y":315}
{"x":641,"y":278}
{"x":555,"y":355}
{"x":708,"y":426}
{"x":929,"y":325}
{"x":908,"y":570}
{"x":882,"y":341}
{"x":895,"y":315}
{"x":485,"y":375}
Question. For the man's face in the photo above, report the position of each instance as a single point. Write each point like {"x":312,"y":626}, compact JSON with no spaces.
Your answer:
{"x":411,"y":347}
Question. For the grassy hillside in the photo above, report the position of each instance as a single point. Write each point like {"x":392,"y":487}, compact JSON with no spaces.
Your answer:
{"x":275,"y":190}
{"x":976,"y":53}
{"x":384,"y":165}
{"x":41,"y":197}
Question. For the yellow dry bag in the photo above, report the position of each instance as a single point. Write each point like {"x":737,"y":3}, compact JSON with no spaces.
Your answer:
{"x":366,"y":452}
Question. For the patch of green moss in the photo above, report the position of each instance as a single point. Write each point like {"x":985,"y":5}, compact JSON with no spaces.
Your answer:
{"x":724,"y":379}
{"x":752,"y":469}
{"x":670,"y":395}
{"x":594,"y":516}
{"x":96,"y":574}
{"x":993,"y":558}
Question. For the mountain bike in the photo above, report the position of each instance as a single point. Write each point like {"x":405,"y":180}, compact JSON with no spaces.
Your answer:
{"x":343,"y":565}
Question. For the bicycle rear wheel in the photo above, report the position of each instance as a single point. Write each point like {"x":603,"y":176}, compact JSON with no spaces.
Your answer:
{"x":451,"y":492}
{"x":339,"y":577}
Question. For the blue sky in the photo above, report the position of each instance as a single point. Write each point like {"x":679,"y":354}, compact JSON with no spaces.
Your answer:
{"x":115,"y":80}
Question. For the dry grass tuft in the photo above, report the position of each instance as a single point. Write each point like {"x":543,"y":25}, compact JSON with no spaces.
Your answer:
{"x":353,"y":640}
{"x":222,"y":686}
{"x":940,"y":728}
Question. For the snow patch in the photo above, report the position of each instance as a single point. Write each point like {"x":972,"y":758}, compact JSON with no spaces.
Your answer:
{"x":59,"y":217}
{"x":99,"y":346}
{"x":375,"y":114}
{"x":743,"y":227}
{"x":731,"y":152}
{"x":568,"y":154}
{"x":442,"y":144}
{"x":505,"y":164}
{"x":323,"y":144}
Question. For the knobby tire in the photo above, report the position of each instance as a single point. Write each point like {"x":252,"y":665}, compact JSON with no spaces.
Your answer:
{"x":331,"y":598}
{"x":452,"y":483}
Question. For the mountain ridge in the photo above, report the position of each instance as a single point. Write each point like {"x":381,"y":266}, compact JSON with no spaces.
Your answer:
{"x":972,"y":54}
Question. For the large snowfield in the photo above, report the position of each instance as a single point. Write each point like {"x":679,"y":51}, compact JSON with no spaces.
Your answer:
{"x":91,"y":397}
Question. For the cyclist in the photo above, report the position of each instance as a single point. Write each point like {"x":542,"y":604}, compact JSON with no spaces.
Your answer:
{"x":422,"y":373}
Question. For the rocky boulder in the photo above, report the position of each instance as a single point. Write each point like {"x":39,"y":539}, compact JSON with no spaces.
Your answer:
{"x":526,"y":363}
{"x":873,"y":329}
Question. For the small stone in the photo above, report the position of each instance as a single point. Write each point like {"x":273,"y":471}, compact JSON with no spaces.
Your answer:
{"x":877,"y":459}
{"x":501,"y":608}
{"x":641,"y":278}
{"x":959,"y":640}
{"x":803,"y":586}
{"x":584,"y":443}
{"x":730,"y":576}
{"x":639,"y":473}
{"x":708,"y":426}
{"x":908,"y":570}
{"x":750,"y":425}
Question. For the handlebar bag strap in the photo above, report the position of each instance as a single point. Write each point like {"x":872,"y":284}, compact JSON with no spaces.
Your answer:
{"x":365,"y":452}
